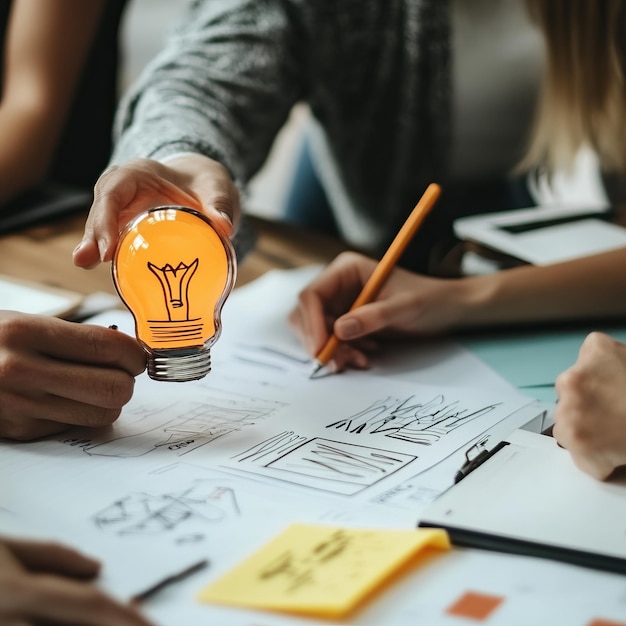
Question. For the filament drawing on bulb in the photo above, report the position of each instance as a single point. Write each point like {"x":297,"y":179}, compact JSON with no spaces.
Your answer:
{"x":174,"y":271}
{"x":174,"y":282}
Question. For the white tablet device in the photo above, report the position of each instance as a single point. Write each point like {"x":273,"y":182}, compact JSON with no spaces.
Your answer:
{"x":544,"y":235}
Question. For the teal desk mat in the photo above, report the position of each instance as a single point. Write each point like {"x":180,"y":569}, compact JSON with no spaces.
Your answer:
{"x":546,"y":394}
{"x":533,"y":358}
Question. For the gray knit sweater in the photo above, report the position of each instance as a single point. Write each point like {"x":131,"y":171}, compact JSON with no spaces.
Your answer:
{"x":374,"y":72}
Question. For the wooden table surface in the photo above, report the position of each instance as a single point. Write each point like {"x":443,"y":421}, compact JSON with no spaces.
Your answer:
{"x":43,"y":254}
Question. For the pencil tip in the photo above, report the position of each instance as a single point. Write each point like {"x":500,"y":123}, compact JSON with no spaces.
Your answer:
{"x":322,"y":370}
{"x":316,"y":370}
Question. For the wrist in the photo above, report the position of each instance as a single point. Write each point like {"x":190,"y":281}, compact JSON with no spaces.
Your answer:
{"x":517,"y":295}
{"x":478,"y":300}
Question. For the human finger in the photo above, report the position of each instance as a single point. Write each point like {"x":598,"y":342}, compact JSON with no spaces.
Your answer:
{"x":347,"y":356}
{"x":366,"y":320}
{"x":575,"y":429}
{"x":72,"y":394}
{"x":107,"y":386}
{"x":65,"y":601}
{"x":28,"y":418}
{"x":584,"y":455}
{"x":24,"y":428}
{"x":52,"y":557}
{"x":64,"y":395}
{"x":92,"y":386}
{"x":76,"y":343}
{"x":596,"y":465}
{"x":121,"y":193}
{"x":339,"y":284}
{"x":308,"y":320}
{"x":212,"y":186}
{"x":571,"y":404}
{"x":327,"y":296}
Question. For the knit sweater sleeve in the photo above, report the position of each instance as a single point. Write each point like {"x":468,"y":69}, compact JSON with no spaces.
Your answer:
{"x":222,"y":86}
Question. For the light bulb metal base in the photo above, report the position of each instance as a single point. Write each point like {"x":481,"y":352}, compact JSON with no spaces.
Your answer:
{"x":179,"y":365}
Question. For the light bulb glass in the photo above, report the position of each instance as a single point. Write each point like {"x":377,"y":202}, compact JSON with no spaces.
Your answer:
{"x":174,"y":271}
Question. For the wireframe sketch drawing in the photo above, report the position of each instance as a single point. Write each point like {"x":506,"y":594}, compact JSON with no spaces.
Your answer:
{"x":142,"y":513}
{"x":333,"y":466}
{"x":180,"y":429}
{"x":417,"y":421}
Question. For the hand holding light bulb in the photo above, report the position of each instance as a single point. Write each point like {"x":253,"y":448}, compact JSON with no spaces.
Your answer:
{"x":174,"y":271}
{"x":123,"y":192}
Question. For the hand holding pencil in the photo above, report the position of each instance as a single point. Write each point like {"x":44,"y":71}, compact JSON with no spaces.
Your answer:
{"x":353,"y":282}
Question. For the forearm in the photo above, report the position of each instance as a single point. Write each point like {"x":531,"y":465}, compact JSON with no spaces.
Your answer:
{"x":222,"y":87}
{"x":26,"y":149}
{"x":589,"y":287}
{"x":45,"y":51}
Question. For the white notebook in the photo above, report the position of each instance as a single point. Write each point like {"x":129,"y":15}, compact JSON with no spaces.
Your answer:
{"x":529,"y":498}
{"x":28,"y":297}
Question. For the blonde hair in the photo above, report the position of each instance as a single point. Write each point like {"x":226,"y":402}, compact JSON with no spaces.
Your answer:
{"x":583,"y":98}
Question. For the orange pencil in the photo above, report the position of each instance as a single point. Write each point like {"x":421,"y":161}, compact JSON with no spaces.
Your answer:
{"x":386,"y":264}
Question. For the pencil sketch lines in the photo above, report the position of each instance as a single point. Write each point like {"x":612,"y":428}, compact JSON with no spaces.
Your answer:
{"x":330,"y":465}
{"x":285,"y":355}
{"x":408,"y":495}
{"x":411,"y":420}
{"x":179,"y":432}
{"x":274,"y":447}
{"x":266,"y":357}
{"x":148,"y":514}
{"x":332,"y":459}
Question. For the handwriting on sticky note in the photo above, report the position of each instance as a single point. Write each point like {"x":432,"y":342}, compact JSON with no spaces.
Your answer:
{"x":321,"y":570}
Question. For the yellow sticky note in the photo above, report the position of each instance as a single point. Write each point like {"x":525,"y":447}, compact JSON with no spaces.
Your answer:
{"x":324,"y":571}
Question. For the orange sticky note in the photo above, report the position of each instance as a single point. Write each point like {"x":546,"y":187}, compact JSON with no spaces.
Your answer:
{"x":476,"y":606}
{"x":322,"y":571}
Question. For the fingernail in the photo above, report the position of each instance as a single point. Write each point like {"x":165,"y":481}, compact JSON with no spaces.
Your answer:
{"x":347,"y":328}
{"x":226,"y":216}
{"x":102,"y":247}
{"x":78,"y":247}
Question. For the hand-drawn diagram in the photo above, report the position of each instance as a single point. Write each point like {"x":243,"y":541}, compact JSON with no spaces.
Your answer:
{"x":189,"y":510}
{"x":408,"y":419}
{"x":408,"y":495}
{"x":335,"y":466}
{"x":345,"y":464}
{"x":274,"y":447}
{"x":180,"y":429}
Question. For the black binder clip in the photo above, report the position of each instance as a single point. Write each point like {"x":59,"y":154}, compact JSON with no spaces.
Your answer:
{"x":475,"y":456}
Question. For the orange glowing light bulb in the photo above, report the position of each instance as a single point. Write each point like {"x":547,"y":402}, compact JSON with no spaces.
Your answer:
{"x":174,"y":271}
